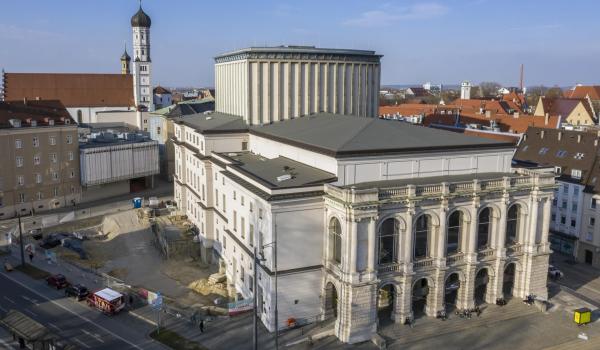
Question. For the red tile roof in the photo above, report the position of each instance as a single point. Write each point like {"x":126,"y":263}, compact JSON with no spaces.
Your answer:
{"x":73,"y":90}
{"x":41,"y":111}
{"x":583,"y":91}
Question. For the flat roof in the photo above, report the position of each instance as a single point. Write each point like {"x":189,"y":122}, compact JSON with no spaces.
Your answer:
{"x":432,"y":180}
{"x":214,"y":122}
{"x":278,"y":173}
{"x":344,"y":136}
{"x":299,"y":49}
{"x":108,"y":294}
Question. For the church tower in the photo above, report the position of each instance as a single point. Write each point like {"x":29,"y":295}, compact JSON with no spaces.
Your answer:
{"x":125,"y":61}
{"x":142,"y":64}
{"x":465,"y":90}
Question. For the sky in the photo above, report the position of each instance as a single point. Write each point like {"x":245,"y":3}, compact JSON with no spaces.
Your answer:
{"x":442,"y":41}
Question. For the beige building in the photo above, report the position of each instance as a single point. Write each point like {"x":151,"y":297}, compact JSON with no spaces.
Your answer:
{"x":39,"y":167}
{"x":269,"y":84}
{"x":570,"y":110}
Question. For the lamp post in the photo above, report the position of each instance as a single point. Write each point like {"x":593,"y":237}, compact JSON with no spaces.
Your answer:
{"x":21,"y":241}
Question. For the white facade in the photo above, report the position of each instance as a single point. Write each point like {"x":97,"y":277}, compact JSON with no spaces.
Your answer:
{"x":90,"y":114}
{"x":142,"y":68}
{"x":265,"y":85}
{"x":465,"y":90}
{"x":112,"y":163}
{"x":567,"y":208}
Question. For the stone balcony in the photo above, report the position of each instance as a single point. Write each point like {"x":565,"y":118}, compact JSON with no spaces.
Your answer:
{"x":486,"y":254}
{"x":444,"y":188}
{"x":455,"y":259}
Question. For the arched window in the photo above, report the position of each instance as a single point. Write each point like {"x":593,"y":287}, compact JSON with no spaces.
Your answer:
{"x":79,"y":116}
{"x":483,"y":228}
{"x":454,"y":229}
{"x":335,"y":241}
{"x":388,"y":241}
{"x":512,"y":224}
{"x":422,"y":231}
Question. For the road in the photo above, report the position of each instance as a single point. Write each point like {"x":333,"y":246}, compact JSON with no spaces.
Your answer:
{"x":71,"y":320}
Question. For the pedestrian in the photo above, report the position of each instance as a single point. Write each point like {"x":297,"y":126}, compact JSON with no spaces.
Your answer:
{"x":201,"y":326}
{"x":31,"y":257}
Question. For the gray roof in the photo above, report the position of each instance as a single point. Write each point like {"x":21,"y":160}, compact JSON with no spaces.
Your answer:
{"x":299,"y":53}
{"x":25,"y":327}
{"x":432,"y":180}
{"x":266,"y":171}
{"x":214,"y":123}
{"x":300,"y":49}
{"x":342,"y":136}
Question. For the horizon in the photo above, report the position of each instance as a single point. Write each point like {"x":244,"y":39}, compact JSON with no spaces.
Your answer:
{"x":412,"y":36}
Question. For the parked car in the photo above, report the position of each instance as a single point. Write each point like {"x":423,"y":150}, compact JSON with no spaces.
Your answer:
{"x":36,"y":233}
{"x":554,"y":273}
{"x":78,"y":291}
{"x":58,"y":281}
{"x":52,"y":240}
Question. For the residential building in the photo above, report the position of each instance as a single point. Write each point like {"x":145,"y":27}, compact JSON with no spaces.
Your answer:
{"x":571,"y":111}
{"x":354,"y":215}
{"x":571,"y":155}
{"x":591,"y":93}
{"x":39,"y":168}
{"x":162,"y":97}
{"x":465,"y":90}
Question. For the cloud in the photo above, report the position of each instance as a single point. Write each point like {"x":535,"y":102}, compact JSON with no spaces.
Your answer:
{"x":388,"y":15}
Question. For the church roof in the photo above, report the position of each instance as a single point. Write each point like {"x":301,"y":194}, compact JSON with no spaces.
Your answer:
{"x":72,"y":89}
{"x":141,"y":19}
{"x":125,"y":56}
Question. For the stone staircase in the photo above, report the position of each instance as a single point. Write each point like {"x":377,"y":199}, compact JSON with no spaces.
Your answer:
{"x":428,"y":327}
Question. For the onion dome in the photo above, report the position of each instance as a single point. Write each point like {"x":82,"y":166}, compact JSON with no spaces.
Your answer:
{"x":141,"y":19}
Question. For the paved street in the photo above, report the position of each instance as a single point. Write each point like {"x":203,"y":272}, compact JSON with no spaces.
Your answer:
{"x":75,"y":321}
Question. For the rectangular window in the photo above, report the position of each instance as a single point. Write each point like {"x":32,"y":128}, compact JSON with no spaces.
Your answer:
{"x":593,"y":204}
{"x":52,"y":140}
{"x":21,"y":197}
{"x":573,"y":206}
{"x":54,"y":176}
{"x":216,"y":197}
{"x":575,"y":191}
{"x":250,"y":283}
{"x":554,"y":202}
{"x":242,"y":200}
{"x":573,"y":223}
{"x":243,"y":227}
{"x":553,"y":217}
{"x":592,"y":221}
{"x":55,"y":191}
{"x":244,"y":146}
{"x":39,"y":196}
{"x":53,"y":158}
{"x":234,"y":195}
{"x":235,"y":220}
{"x":224,"y":205}
{"x":260,"y":213}
{"x":563,"y":220}
{"x":71,"y":157}
{"x":36,"y":141}
{"x":564,"y":204}
{"x":36,"y":159}
{"x":72,"y":175}
{"x":565,"y":189}
{"x":224,"y":242}
{"x":251,"y":235}
{"x":21,"y":180}
{"x":576,"y":174}
{"x":18,"y":143}
{"x":38,"y":178}
{"x":19,"y":162}
{"x":589,"y":237}
{"x":242,"y":273}
{"x":69,"y":139}
{"x":251,"y":207}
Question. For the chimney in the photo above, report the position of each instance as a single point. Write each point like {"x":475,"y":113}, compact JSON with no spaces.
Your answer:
{"x":516,"y":115}
{"x":37,"y":98}
{"x":579,"y":138}
{"x":542,"y":134}
{"x":546,"y":119}
{"x":559,"y":135}
{"x":25,"y":101}
{"x":488,"y":114}
{"x":139,"y":119}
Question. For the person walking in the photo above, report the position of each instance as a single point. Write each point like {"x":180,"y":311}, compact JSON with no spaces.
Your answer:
{"x":31,"y":257}
{"x":201,"y":326}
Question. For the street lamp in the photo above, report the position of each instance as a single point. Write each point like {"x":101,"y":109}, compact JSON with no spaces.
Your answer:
{"x":255,"y":289}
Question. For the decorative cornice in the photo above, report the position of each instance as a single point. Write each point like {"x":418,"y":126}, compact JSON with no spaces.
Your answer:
{"x":297,"y":56}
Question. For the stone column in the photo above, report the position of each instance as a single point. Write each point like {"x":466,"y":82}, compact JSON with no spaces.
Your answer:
{"x":435,"y":299}
{"x":357,"y":321}
{"x":471,"y":252}
{"x":372,"y":243}
{"x":353,"y":236}
{"x":408,"y":239}
{"x":466,"y":293}
{"x":403,"y":307}
{"x":440,"y":253}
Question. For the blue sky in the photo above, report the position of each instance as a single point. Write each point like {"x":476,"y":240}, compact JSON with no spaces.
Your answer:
{"x":440,"y":40}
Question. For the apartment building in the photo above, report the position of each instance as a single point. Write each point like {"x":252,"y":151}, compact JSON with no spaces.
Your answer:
{"x":40,"y":163}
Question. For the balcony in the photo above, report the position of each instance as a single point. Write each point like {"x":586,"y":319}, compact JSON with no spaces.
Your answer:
{"x":486,"y":254}
{"x":422,"y":264}
{"x":393,"y":267}
{"x":514,"y":249}
{"x":454,"y":259}
{"x":443,"y":189}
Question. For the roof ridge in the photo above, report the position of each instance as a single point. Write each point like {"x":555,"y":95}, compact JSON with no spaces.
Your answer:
{"x":357,"y":132}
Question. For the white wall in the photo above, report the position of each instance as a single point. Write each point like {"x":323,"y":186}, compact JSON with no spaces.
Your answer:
{"x":572,"y":195}
{"x":89,"y":114}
